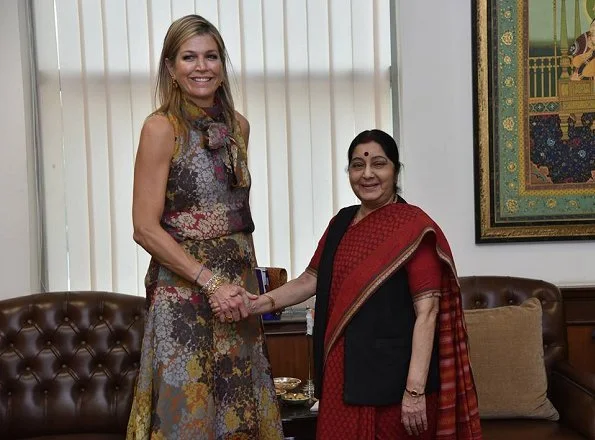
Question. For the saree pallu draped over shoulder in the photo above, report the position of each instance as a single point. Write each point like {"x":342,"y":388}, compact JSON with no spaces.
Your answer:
{"x":404,"y":227}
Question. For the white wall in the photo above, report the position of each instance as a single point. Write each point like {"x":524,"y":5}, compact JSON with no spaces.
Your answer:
{"x":18,"y":233}
{"x":437,"y":145}
{"x":436,"y":137}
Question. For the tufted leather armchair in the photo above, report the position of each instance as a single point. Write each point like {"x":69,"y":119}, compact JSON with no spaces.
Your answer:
{"x":571,"y":391}
{"x":68,"y":363}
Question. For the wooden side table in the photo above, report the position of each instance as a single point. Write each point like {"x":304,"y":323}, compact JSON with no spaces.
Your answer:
{"x":299,"y":423}
{"x":579,"y":307}
{"x":287,"y":345}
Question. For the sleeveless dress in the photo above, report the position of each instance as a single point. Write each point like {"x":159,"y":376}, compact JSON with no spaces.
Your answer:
{"x":200,"y":378}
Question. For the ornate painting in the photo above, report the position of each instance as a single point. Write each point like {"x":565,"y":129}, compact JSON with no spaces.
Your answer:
{"x":534,"y":111}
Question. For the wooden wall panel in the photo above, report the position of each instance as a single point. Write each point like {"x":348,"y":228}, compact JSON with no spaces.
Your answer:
{"x":288,"y":347}
{"x":579,"y":307}
{"x":289,"y":355}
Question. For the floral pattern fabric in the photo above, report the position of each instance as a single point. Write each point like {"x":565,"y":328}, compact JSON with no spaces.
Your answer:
{"x":200,"y":378}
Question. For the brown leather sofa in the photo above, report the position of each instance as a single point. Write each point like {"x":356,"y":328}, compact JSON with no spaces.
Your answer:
{"x":68,"y":362}
{"x":571,"y":391}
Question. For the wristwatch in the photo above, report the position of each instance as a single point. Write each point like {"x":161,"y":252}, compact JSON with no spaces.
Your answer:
{"x":414,"y":393}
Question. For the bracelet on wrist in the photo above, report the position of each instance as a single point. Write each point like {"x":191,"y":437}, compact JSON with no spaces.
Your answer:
{"x":202,"y":267}
{"x":272,"y":301}
{"x":414,"y":393}
{"x":212,"y":285}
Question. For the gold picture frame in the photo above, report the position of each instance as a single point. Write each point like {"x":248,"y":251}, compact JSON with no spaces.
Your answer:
{"x":534,"y":145}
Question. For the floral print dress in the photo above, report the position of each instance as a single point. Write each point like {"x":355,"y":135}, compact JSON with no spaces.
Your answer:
{"x":200,"y":378}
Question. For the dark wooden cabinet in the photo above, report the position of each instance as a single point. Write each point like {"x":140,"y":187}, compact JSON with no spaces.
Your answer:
{"x":289,"y":348}
{"x":579,"y":307}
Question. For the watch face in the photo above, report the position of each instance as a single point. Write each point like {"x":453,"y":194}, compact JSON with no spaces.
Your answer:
{"x":414,"y":393}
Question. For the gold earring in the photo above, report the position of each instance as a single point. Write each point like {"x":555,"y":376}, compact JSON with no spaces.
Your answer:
{"x":174,"y":82}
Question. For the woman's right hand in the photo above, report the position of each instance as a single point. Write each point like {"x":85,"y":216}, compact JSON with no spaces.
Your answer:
{"x":230,"y":302}
{"x":413,"y":414}
{"x":258,"y":305}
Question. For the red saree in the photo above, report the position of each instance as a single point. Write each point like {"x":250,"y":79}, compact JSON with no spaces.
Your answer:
{"x":369,"y":253}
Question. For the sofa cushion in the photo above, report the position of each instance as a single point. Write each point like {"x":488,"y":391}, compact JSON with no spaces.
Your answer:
{"x":506,"y":353}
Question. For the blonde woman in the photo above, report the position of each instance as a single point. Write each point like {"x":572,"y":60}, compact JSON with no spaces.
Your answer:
{"x":203,"y":372}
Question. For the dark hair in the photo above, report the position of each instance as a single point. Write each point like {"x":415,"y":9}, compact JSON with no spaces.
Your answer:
{"x":385,"y":140}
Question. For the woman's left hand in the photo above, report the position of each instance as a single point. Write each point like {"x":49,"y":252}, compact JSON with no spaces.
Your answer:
{"x":413,"y":414}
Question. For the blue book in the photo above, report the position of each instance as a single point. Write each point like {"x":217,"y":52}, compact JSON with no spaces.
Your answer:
{"x":264,"y":286}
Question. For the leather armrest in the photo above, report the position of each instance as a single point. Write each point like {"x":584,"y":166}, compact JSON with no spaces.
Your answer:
{"x":277,"y":276}
{"x":572,"y":392}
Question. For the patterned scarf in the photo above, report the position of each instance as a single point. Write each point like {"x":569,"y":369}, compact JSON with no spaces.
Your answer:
{"x":215,"y":134}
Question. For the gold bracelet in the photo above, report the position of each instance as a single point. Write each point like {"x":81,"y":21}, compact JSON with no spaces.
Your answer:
{"x":414,"y":393}
{"x":272,"y":300}
{"x":212,"y":285}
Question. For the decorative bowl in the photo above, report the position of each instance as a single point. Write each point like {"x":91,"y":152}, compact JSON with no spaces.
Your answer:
{"x":286,"y":383}
{"x":295,"y":398}
{"x":279,"y":392}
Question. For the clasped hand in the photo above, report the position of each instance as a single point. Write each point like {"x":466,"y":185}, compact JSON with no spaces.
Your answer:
{"x":231,"y":303}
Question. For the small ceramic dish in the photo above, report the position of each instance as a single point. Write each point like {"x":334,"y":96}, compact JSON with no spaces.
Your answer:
{"x":295,"y":398}
{"x":286,"y":383}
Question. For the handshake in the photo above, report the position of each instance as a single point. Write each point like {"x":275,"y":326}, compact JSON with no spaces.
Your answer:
{"x":232,"y":303}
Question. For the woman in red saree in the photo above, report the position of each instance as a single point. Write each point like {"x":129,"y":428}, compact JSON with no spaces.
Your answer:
{"x":390,"y":345}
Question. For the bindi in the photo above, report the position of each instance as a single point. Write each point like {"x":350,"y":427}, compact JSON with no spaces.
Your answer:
{"x":366,"y":153}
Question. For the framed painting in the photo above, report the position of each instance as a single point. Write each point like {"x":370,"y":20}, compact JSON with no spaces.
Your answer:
{"x":534,"y":111}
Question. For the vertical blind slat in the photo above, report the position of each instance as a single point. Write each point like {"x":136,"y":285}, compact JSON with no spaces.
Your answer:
{"x":363,"y":65}
{"x":97,"y":153}
{"x":159,"y":18}
{"x":342,"y":78}
{"x":50,"y":121}
{"x":179,"y":8}
{"x":73,"y":132}
{"x":382,"y":62}
{"x":120,"y":144}
{"x":140,"y":93}
{"x":276,"y":106}
{"x":229,"y":27}
{"x":208,"y":10}
{"x":319,"y":112}
{"x":255,"y":112}
{"x":298,"y":130}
